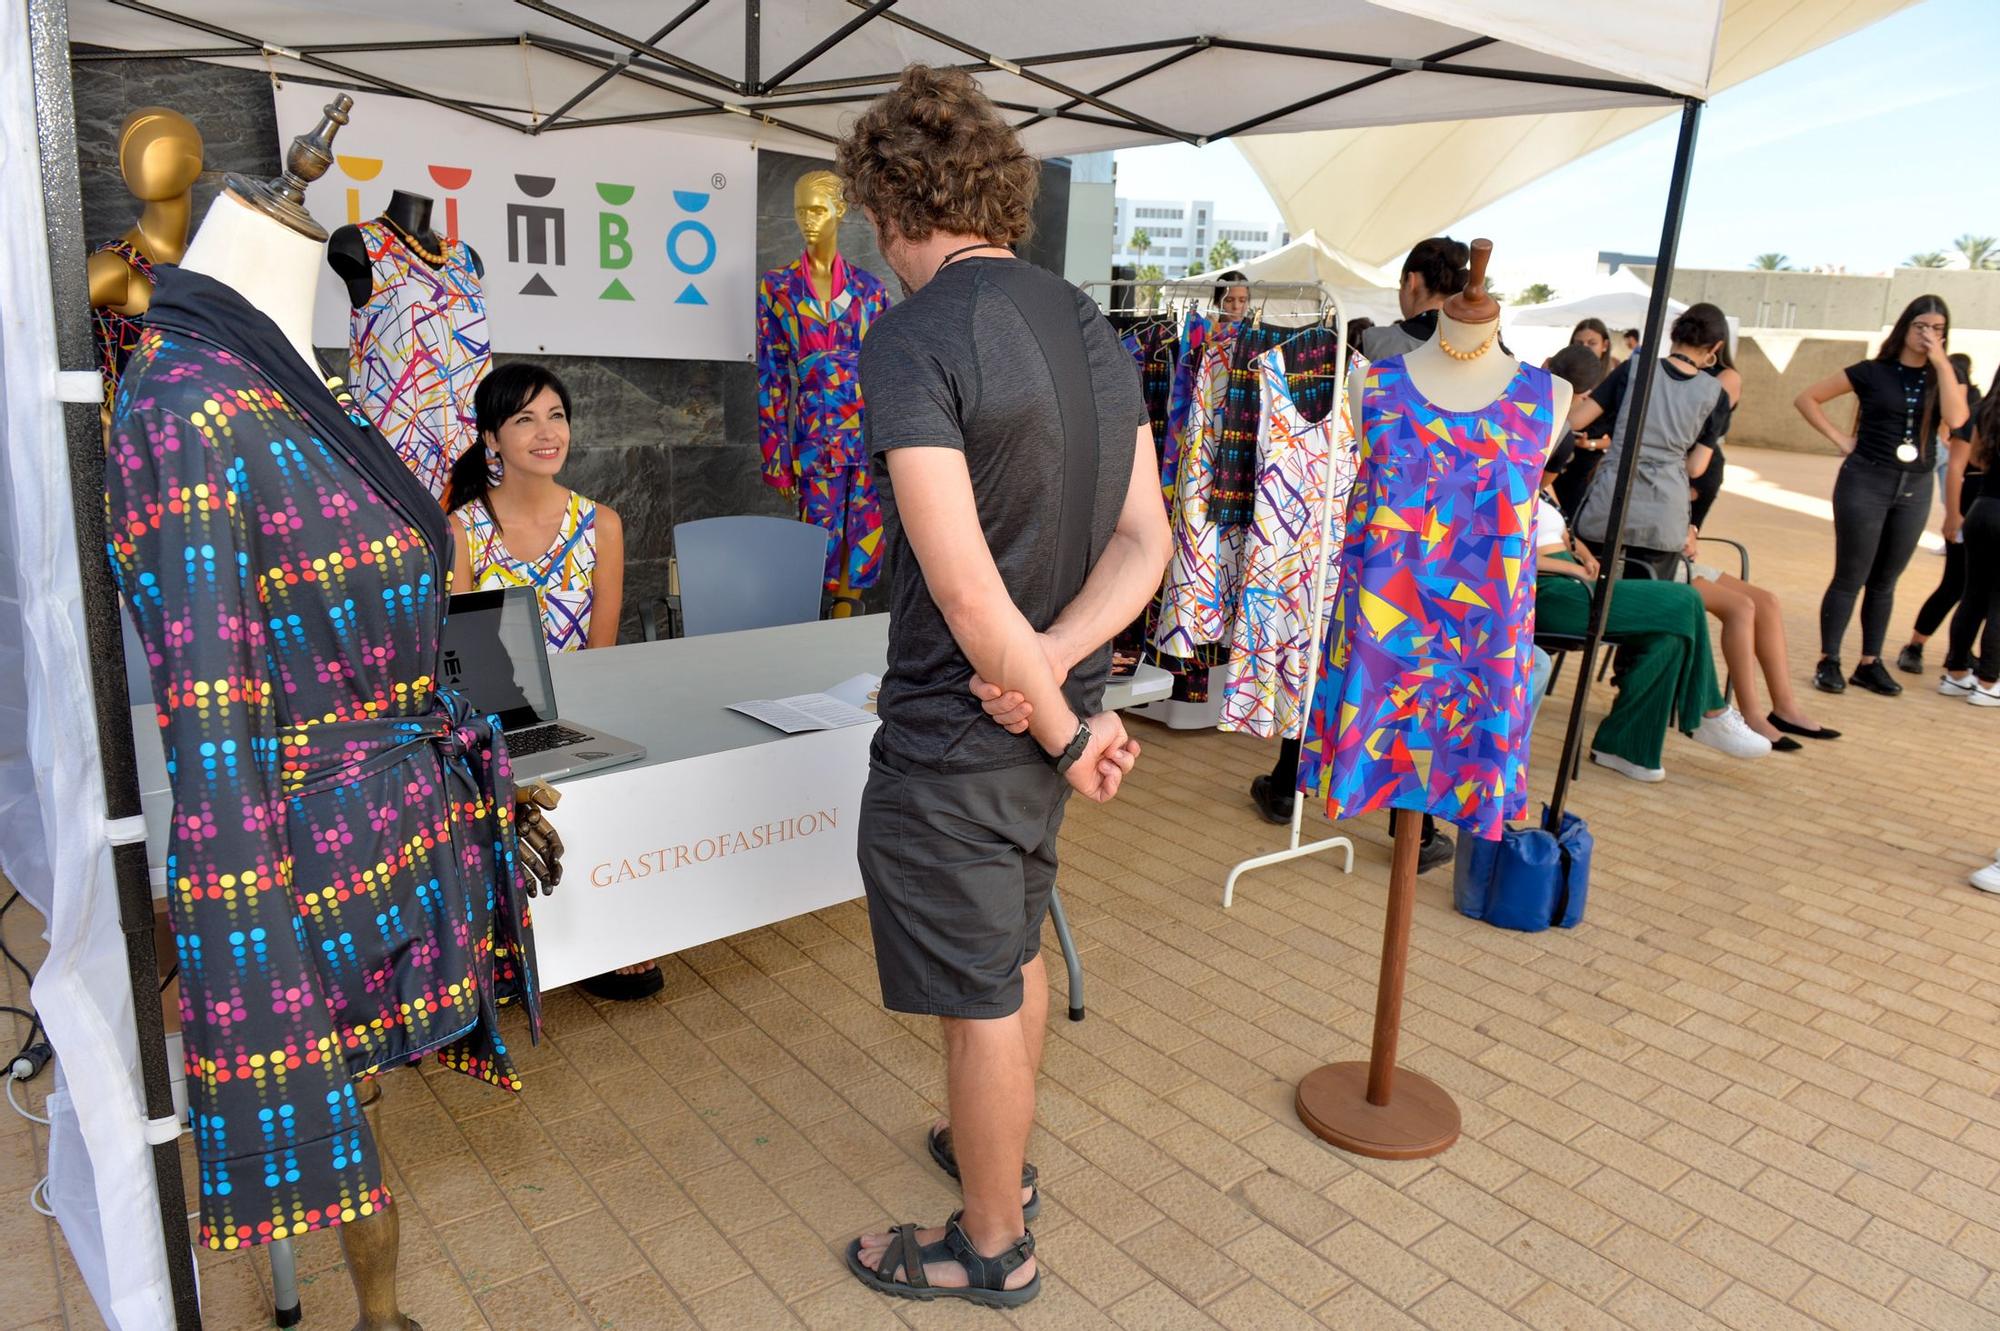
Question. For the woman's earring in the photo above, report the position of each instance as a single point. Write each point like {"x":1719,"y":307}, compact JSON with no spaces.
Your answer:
{"x":496,"y":470}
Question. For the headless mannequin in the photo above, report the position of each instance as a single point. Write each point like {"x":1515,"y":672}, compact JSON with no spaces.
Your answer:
{"x":276,"y":269}
{"x":347,"y":252}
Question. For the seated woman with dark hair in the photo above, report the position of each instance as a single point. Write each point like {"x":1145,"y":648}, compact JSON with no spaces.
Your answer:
{"x":518,"y":526}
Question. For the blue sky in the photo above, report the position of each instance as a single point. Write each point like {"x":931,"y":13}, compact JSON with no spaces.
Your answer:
{"x":1860,"y":154}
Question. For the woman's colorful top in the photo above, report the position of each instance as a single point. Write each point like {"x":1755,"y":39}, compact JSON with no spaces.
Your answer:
{"x":118,"y":334}
{"x":561,"y":575}
{"x":809,"y":407}
{"x":417,"y":350}
{"x":1422,"y":699}
{"x":1303,"y":466}
{"x":341,"y":863}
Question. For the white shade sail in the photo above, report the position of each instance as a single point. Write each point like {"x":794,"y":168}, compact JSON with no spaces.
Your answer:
{"x":1422,"y":177}
{"x":1076,"y":77}
{"x":1362,"y":289}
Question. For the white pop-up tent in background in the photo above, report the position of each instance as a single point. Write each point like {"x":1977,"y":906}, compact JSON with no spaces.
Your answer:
{"x":776,"y":73}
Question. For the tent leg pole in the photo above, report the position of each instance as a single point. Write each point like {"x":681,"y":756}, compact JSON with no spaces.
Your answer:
{"x":1641,"y":390}
{"x":55,"y":133}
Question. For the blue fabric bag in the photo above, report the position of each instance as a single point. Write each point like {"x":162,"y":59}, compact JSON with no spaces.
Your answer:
{"x":1528,"y":879}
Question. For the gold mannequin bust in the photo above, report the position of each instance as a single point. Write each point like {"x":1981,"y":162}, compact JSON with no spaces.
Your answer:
{"x":818,"y":205}
{"x":159,"y":154}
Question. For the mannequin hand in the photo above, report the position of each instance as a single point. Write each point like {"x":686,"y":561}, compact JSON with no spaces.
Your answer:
{"x":1102,"y":769}
{"x":539,"y":849}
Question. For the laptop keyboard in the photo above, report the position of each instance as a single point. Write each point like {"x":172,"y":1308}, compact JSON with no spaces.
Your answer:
{"x":542,"y":738}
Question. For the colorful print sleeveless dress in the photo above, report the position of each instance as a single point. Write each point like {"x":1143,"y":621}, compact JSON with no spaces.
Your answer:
{"x":1422,"y":700}
{"x":1303,"y":465}
{"x":561,"y":576}
{"x":417,"y":350}
{"x":341,"y":872}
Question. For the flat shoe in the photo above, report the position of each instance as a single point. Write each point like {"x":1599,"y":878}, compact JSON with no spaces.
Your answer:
{"x":987,"y":1275}
{"x":618,"y":988}
{"x":1785,"y":744}
{"x":1787,"y":728}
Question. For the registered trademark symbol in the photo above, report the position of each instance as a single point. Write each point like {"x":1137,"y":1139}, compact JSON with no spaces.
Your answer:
{"x":718,"y":180}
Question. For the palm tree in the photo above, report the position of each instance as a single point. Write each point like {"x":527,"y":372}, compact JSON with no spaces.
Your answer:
{"x":1537,"y":293}
{"x":1772,"y":263}
{"x":1981,"y":253}
{"x":1148,"y":291}
{"x":1221,"y":255}
{"x":1142,"y":240}
{"x":1928,"y":259}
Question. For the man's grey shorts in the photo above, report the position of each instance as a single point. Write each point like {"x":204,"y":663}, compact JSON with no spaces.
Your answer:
{"x":958,"y":867}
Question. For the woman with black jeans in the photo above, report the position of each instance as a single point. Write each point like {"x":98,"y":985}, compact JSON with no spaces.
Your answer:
{"x":1882,"y":500}
{"x":1979,"y":606}
{"x":1961,"y":477}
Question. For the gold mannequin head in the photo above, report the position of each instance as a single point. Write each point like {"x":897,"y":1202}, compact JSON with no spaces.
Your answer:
{"x":159,"y":153}
{"x":818,"y":205}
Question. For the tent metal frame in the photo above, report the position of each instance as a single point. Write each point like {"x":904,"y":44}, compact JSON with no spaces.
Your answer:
{"x":710,"y":93}
{"x":645,"y":60}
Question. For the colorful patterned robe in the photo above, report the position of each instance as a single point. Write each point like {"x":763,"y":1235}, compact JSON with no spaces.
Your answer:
{"x":417,"y":350}
{"x":1422,"y":697}
{"x":341,"y":861}
{"x":809,"y":408}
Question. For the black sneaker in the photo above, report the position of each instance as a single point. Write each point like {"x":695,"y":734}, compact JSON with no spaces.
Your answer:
{"x":1438,"y":850}
{"x":1876,"y":679}
{"x":1911,"y":660}
{"x":1827,"y":678}
{"x":1271,"y":800}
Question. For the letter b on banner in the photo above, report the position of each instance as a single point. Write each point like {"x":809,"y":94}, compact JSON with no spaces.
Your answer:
{"x":614,"y":244}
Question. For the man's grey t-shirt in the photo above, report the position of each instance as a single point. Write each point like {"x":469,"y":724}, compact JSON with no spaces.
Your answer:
{"x":956,"y":365}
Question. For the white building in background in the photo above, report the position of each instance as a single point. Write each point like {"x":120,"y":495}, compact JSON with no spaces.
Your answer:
{"x":1184,"y":231}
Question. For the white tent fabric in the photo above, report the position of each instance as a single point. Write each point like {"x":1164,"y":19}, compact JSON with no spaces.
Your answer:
{"x":1171,"y":70}
{"x":1362,"y":289}
{"x":52,"y":807}
{"x":1155,"y":72}
{"x":1422,"y":177}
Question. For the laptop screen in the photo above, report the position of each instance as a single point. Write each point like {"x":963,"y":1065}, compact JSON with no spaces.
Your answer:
{"x":494,"y":654}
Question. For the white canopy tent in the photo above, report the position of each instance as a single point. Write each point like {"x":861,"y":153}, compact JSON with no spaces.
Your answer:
{"x":1425,"y":176}
{"x":1361,"y":288}
{"x":1620,"y":300}
{"x":781,"y":73}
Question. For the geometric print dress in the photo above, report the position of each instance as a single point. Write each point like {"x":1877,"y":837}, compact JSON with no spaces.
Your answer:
{"x":561,"y":577}
{"x":1422,"y":697}
{"x":809,"y":407}
{"x":417,"y":349}
{"x":341,"y":872}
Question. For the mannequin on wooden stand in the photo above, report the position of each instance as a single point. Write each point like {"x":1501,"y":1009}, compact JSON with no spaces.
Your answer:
{"x":258,"y":240}
{"x":1373,"y":1108}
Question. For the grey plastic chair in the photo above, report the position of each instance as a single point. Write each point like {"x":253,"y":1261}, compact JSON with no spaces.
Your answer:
{"x":749,"y":573}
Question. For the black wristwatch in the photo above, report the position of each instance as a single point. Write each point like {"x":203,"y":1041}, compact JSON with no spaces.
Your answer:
{"x":1080,"y":741}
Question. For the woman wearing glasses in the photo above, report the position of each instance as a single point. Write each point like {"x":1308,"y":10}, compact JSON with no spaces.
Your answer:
{"x":1882,"y":500}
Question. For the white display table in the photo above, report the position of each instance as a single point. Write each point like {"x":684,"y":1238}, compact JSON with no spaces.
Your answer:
{"x":726,"y":825}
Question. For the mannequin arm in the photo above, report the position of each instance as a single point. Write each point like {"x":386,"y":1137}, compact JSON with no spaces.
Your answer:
{"x":110,"y":281}
{"x":774,"y":394}
{"x":347,"y":255}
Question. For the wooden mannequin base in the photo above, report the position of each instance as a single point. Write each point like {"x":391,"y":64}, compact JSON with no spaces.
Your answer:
{"x":1420,"y":1120}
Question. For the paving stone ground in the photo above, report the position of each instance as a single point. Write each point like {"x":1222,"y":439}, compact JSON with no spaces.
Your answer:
{"x":1754,"y":1090}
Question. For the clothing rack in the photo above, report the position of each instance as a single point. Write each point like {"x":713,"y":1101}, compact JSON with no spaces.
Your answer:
{"x":1327,"y":304}
{"x":1176,"y":294}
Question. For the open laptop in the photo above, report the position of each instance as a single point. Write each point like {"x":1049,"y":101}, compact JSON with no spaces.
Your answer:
{"x":495,"y":654}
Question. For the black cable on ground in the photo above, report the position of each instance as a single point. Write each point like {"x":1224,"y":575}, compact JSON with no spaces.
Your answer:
{"x":34,"y":1018}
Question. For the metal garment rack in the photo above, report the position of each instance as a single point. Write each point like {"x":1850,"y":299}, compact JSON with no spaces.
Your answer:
{"x":1297,"y":848}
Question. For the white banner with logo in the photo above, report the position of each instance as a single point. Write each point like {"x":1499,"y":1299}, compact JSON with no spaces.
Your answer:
{"x":658,"y":859}
{"x":623,"y":240}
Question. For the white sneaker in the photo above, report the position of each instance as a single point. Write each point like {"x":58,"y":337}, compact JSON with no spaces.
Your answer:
{"x":1984,"y":695}
{"x":1988,"y":879}
{"x":1729,"y":733}
{"x":1624,"y":768}
{"x":1957,"y":686}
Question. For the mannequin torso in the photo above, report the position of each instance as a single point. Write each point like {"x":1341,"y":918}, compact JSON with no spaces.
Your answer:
{"x":1462,"y":385}
{"x":347,"y":248}
{"x":269,"y":265}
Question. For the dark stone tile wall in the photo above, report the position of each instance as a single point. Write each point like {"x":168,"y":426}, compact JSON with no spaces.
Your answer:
{"x":661,"y":441}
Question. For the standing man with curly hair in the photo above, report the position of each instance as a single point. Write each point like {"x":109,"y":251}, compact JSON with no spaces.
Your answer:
{"x":1022,"y":507}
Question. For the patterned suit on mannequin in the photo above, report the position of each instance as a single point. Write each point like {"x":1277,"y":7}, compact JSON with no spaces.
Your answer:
{"x":809,"y":390}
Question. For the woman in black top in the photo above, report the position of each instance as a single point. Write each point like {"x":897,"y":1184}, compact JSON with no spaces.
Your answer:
{"x":1978,"y":614}
{"x":1882,"y":500}
{"x":1960,"y":474}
